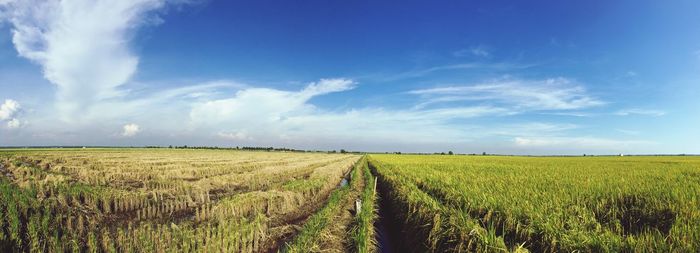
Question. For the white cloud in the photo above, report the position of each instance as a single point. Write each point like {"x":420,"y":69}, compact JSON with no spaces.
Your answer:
{"x":13,"y":123}
{"x":234,"y":136}
{"x":263,"y":106}
{"x":83,"y":48}
{"x":478,"y":51}
{"x":644,"y":112}
{"x":580,"y":143}
{"x":276,"y":117}
{"x":267,"y":114}
{"x":131,"y":130}
{"x":628,"y":132}
{"x":325,"y":86}
{"x":81,"y":45}
{"x":453,"y":67}
{"x":571,"y":114}
{"x":548,"y":94}
{"x":8,"y":109}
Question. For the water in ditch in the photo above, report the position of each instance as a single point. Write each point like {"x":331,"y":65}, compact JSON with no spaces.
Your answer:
{"x":385,"y":240}
{"x":389,"y":237}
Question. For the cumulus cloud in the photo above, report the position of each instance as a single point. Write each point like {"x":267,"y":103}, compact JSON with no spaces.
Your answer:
{"x":81,"y":45}
{"x":13,"y":123}
{"x":547,"y":94}
{"x":130,"y":130}
{"x":8,"y":109}
{"x":8,"y":112}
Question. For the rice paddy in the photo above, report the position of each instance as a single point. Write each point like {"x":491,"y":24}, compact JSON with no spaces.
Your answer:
{"x":199,"y":200}
{"x":542,"y":204}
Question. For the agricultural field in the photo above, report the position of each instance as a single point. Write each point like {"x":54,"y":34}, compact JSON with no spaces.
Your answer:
{"x":196,"y":200}
{"x":540,"y":204}
{"x":172,"y":200}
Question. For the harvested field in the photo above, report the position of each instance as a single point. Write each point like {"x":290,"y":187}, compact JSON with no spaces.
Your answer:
{"x":155,"y":200}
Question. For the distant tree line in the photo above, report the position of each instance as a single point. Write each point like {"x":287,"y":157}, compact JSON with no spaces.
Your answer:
{"x":269,"y":149}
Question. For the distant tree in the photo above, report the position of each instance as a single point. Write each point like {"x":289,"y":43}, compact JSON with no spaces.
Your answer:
{"x":450,"y":153}
{"x":342,"y":151}
{"x":483,"y":153}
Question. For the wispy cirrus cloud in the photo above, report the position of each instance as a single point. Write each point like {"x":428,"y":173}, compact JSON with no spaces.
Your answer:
{"x":643,"y":112}
{"x":421,"y":72}
{"x":578,"y":143}
{"x":478,"y":51}
{"x":628,"y":132}
{"x":547,"y":94}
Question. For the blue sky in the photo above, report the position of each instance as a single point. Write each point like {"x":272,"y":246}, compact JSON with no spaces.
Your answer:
{"x":536,"y":77}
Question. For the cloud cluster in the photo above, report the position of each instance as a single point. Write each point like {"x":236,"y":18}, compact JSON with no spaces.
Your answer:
{"x":273,"y":115}
{"x":81,"y":45}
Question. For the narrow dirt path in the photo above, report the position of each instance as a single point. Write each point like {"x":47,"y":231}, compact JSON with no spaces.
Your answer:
{"x":336,"y":236}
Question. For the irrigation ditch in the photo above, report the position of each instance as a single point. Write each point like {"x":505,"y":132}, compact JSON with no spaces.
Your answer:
{"x":390,"y":235}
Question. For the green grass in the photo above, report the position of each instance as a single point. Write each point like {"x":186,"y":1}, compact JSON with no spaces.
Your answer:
{"x":586,"y":204}
{"x":308,"y":239}
{"x":363,"y":233}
